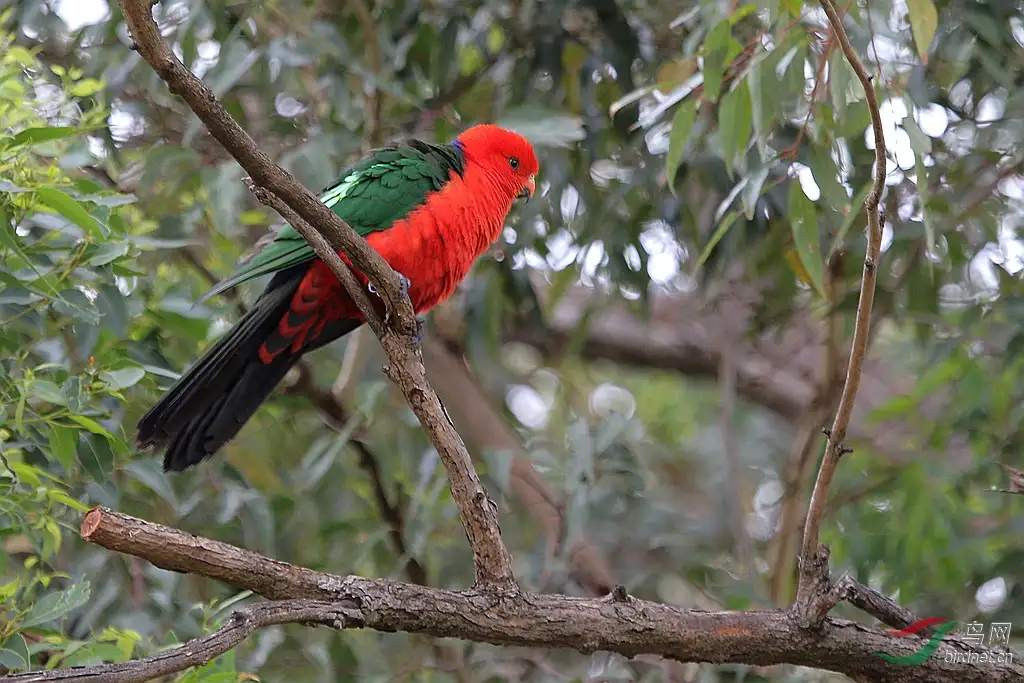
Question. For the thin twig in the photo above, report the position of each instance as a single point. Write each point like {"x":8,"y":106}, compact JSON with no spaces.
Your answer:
{"x":240,"y":625}
{"x":814,"y":597}
{"x":330,"y":238}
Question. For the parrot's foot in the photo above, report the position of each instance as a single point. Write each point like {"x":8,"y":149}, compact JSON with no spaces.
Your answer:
{"x":421,"y":327}
{"x":404,"y":283}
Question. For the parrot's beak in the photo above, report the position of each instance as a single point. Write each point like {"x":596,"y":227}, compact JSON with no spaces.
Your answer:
{"x":527,"y":192}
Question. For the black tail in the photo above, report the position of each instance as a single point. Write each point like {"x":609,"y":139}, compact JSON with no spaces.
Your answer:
{"x":210,"y":403}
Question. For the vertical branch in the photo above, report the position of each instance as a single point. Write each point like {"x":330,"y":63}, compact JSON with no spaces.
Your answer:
{"x":814,"y":594}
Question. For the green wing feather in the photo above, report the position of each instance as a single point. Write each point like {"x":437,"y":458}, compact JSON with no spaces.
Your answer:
{"x":370,"y":196}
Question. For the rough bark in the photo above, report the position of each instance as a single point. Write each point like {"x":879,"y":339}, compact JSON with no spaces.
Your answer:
{"x":616,"y":623}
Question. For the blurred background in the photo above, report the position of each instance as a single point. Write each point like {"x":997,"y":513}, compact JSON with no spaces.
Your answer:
{"x":641,"y":366}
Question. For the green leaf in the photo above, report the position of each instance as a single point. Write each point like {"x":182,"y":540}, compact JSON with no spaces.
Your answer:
{"x":86,"y":87}
{"x":62,"y":444}
{"x":9,"y":238}
{"x":742,"y":12}
{"x":793,"y":7}
{"x":682,"y":123}
{"x":926,"y":214}
{"x":752,"y":191}
{"x":17,"y":53}
{"x":61,"y":497}
{"x":723,"y":228}
{"x":150,"y":473}
{"x":8,"y":590}
{"x":716,"y":48}
{"x":762,"y":127}
{"x":72,"y":210}
{"x":74,"y":303}
{"x":55,"y":605}
{"x":833,"y":194}
{"x":14,"y":655}
{"x":123,"y":378}
{"x":804,"y":223}
{"x":32,"y":136}
{"x":840,"y":78}
{"x":734,"y":118}
{"x":92,"y":426}
{"x":921,"y":145}
{"x":855,"y":206}
{"x":924,"y":21}
{"x":985,"y":27}
{"x":72,"y":390}
{"x":45,"y":390}
{"x":96,"y":456}
{"x":108,"y":252}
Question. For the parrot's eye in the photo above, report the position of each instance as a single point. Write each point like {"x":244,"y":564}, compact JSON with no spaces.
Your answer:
{"x":513,"y":162}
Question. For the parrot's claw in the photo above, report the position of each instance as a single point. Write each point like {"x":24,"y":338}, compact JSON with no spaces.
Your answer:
{"x":421,"y":327}
{"x":404,"y":284}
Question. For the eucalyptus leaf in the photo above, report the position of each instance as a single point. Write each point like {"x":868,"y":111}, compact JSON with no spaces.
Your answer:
{"x":716,"y":47}
{"x":53,"y":606}
{"x":682,"y":124}
{"x":123,"y":378}
{"x":63,"y":204}
{"x":804,"y":222}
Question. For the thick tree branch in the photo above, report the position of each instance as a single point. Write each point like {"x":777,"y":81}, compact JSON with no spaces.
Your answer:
{"x":814,"y":596}
{"x":616,"y":623}
{"x":280,"y":190}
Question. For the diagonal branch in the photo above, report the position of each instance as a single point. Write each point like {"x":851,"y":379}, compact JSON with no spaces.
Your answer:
{"x":616,"y":623}
{"x":815,"y":597}
{"x":199,"y":651}
{"x":330,"y":236}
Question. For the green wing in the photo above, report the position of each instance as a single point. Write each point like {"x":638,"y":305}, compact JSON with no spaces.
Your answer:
{"x":371,"y":195}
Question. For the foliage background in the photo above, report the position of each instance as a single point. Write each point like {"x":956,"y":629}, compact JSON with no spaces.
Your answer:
{"x":637,"y":365}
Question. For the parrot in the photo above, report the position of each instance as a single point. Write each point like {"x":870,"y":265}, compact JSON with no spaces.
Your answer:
{"x":430,"y":210}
